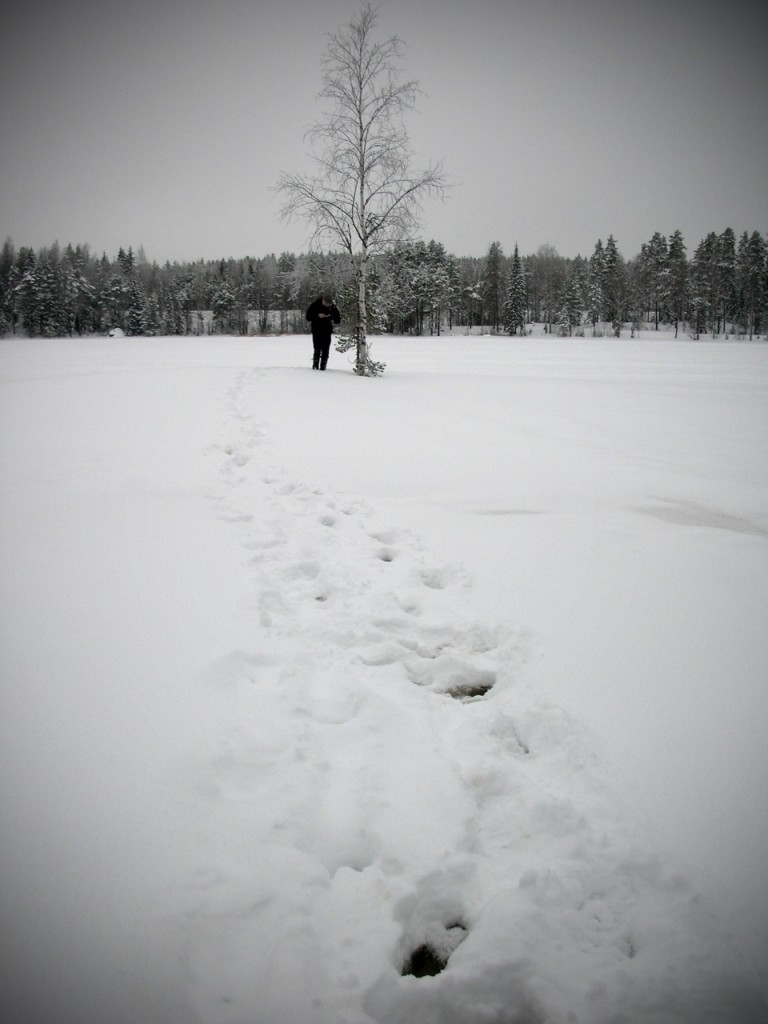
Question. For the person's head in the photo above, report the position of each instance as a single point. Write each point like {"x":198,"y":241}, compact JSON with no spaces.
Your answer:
{"x":327,"y":300}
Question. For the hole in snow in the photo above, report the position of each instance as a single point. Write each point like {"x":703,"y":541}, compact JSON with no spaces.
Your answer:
{"x":470,"y":692}
{"x":386,"y":555}
{"x":472,"y":689}
{"x":423,"y":962}
{"x":430,"y":959}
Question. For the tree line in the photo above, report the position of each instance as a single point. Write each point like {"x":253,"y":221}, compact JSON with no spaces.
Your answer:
{"x":414,"y":287}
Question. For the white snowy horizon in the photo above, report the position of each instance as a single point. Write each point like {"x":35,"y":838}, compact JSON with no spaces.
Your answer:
{"x":302,"y":673}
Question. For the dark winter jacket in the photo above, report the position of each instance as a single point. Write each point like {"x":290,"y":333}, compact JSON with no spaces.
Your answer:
{"x":322,"y":326}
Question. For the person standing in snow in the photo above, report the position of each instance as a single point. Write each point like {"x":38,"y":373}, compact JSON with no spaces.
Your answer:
{"x":322,"y":314}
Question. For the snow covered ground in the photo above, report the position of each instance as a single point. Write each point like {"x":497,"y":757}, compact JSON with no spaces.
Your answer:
{"x":304,"y":676}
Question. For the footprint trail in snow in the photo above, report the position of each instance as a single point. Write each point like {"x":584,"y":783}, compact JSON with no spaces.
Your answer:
{"x":399,"y":829}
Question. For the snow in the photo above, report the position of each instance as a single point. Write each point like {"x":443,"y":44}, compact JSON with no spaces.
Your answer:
{"x":304,"y":672}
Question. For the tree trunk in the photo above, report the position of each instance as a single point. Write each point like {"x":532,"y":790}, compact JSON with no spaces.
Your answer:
{"x":362,"y":310}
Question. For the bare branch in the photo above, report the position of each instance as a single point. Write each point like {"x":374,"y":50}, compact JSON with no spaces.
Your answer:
{"x":365,"y":194}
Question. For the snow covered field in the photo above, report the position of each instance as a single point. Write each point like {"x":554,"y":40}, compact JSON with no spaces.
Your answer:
{"x":303,"y":675}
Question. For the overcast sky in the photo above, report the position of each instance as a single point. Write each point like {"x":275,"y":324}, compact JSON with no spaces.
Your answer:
{"x":164,"y":123}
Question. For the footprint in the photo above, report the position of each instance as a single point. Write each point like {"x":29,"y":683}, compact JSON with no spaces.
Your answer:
{"x":436,"y":578}
{"x":448,"y":674}
{"x":434,"y":922}
{"x":284,"y":489}
{"x":236,"y":517}
{"x":387,"y":653}
{"x":384,"y":536}
{"x":431,"y":958}
{"x":467,"y":690}
{"x":409,"y":603}
{"x":306,"y":570}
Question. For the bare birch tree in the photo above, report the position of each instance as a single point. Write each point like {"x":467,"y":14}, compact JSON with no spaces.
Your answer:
{"x":365,"y":194}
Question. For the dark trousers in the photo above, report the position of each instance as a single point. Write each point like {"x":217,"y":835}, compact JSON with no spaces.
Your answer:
{"x":321,"y":346}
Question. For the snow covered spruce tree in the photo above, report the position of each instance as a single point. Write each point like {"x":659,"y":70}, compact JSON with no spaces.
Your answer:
{"x":365,"y":195}
{"x":515,"y":301}
{"x":676,"y":280}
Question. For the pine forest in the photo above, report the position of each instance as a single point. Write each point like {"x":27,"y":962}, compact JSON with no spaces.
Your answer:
{"x":720,"y":289}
